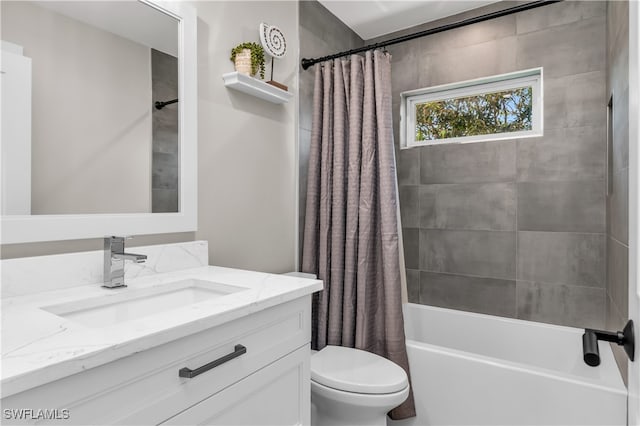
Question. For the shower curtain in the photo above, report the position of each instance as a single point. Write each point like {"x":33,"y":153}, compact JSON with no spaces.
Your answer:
{"x":351,"y":224}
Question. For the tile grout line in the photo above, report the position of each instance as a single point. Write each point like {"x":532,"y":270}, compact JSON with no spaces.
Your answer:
{"x":544,"y":283}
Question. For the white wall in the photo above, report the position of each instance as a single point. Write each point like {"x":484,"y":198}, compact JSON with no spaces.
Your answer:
{"x":247,"y":146}
{"x":91,"y":113}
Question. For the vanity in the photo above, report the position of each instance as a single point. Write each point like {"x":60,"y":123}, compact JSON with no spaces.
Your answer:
{"x":193,"y":345}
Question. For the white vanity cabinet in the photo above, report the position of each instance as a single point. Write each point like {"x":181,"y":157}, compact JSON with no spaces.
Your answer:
{"x":275,"y":395}
{"x":269,"y":384}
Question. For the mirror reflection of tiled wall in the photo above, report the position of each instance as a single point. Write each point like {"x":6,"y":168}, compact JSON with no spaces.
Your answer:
{"x":165,"y":162}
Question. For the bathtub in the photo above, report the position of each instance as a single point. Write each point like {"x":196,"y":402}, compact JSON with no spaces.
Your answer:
{"x":478,"y":369}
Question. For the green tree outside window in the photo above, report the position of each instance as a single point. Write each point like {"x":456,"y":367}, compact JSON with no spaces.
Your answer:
{"x":489,"y":113}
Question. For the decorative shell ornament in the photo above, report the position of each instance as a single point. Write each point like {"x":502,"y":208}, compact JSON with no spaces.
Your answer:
{"x":273,"y":40}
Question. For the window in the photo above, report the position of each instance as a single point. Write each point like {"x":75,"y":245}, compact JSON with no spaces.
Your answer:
{"x":506,"y":106}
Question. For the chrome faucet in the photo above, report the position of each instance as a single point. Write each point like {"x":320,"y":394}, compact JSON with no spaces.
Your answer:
{"x":114,"y":258}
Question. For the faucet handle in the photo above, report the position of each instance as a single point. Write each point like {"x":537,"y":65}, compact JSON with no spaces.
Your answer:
{"x":114,"y":243}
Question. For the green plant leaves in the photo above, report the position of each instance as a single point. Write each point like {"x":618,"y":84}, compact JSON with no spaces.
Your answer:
{"x":257,"y":56}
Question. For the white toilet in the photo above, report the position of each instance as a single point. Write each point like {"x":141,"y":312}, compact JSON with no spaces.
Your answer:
{"x":354,"y":387}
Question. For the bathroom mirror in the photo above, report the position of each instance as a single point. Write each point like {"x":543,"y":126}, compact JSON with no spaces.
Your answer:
{"x":99,"y":127}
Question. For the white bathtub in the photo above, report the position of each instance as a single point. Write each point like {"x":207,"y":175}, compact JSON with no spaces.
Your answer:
{"x":478,"y":369}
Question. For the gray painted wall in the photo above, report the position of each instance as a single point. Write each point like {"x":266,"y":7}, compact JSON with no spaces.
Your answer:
{"x":618,"y":198}
{"x":514,"y":228}
{"x":321,"y":34}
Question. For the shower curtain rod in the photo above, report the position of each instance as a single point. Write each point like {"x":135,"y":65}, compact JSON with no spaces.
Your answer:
{"x":306,"y":63}
{"x":160,"y":105}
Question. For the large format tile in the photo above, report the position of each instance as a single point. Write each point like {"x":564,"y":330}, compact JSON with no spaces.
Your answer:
{"x":305,"y":99}
{"x":413,"y":285}
{"x":616,"y":321}
{"x":575,"y":101}
{"x":489,"y":58}
{"x":468,"y":163}
{"x":618,"y":274}
{"x":574,"y":306}
{"x":577,"y":153}
{"x":494,"y":29}
{"x":621,"y":130}
{"x":562,"y":13}
{"x":304,"y":142}
{"x":562,"y":258}
{"x":478,"y":253}
{"x":312,"y":45}
{"x":561,"y":206}
{"x":618,"y":60}
{"x":618,"y":207}
{"x":486,"y":206}
{"x":315,"y":18}
{"x":469,"y":35}
{"x":427,"y":202}
{"x":617,"y":22}
{"x":165,"y":169}
{"x":409,"y":209}
{"x":565,"y":50}
{"x":405,"y":71}
{"x":164,"y":200}
{"x":484,"y":295}
{"x":411,"y":243}
{"x":409,"y":166}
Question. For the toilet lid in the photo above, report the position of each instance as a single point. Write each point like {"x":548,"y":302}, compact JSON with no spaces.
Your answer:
{"x":353,"y":370}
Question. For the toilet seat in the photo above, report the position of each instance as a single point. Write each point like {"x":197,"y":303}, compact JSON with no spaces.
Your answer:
{"x":357,"y":371}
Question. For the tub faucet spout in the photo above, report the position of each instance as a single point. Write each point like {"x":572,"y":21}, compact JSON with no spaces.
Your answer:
{"x":590,"y":351}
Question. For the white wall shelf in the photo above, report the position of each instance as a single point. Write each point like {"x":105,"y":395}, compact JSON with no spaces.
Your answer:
{"x":255,"y":87}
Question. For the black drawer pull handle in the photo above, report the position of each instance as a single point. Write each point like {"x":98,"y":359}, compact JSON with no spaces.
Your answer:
{"x":190,"y":374}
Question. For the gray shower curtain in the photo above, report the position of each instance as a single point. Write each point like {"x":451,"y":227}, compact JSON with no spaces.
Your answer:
{"x":351,"y":228}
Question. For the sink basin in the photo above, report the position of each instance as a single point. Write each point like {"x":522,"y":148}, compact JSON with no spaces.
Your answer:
{"x":128,"y":304}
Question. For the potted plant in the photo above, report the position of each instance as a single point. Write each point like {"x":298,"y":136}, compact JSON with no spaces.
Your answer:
{"x":248,"y":58}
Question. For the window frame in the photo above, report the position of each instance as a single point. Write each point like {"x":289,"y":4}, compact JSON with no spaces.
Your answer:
{"x":531,"y":77}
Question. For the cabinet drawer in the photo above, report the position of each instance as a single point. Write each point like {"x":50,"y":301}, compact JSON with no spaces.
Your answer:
{"x":278,"y":394}
{"x":145,"y":388}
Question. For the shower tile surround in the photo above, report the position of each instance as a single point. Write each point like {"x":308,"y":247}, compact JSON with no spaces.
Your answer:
{"x":515,"y":228}
{"x":164,"y":164}
{"x":617,"y":289}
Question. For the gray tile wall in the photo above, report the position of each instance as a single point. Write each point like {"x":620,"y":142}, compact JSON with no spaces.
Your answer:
{"x":618,"y":197}
{"x":515,"y":228}
{"x":321,"y":34}
{"x":165,"y":160}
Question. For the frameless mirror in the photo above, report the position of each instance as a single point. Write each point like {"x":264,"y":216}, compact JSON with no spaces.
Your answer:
{"x":98,"y":118}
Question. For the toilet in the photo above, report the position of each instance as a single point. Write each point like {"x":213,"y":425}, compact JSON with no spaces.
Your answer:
{"x":351,"y":387}
{"x":354,"y":387}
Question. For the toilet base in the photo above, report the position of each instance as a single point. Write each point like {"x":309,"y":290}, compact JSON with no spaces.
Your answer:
{"x":373,"y":419}
{"x":332,"y":407}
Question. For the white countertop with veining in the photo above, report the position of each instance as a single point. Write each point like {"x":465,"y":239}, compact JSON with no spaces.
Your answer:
{"x":39,"y":347}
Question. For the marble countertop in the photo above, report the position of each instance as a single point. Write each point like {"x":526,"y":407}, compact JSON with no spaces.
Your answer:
{"x":39,"y":347}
